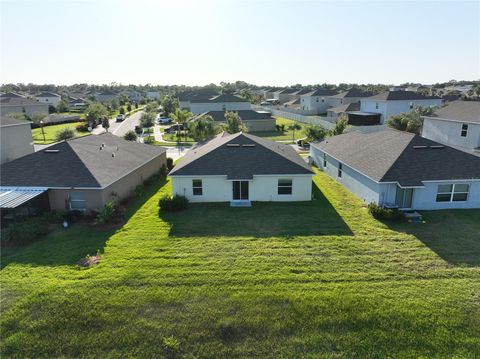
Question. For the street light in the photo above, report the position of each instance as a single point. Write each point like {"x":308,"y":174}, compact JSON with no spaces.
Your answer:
{"x":43,"y":133}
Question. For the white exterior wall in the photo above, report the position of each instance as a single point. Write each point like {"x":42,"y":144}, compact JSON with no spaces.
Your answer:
{"x":54,"y":100}
{"x":261,"y":188}
{"x":425,"y":198}
{"x":390,"y":108}
{"x":199,"y":107}
{"x":449,"y":132}
{"x":335,"y":102}
{"x":319,"y":104}
{"x":16,"y":141}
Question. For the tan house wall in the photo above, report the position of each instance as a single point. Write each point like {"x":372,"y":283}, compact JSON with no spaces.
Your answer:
{"x":15,"y":141}
{"x":97,"y":198}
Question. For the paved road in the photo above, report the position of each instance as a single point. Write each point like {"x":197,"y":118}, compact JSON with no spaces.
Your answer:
{"x":120,"y":128}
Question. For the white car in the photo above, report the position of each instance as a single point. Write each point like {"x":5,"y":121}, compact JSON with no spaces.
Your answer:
{"x":163,"y":120}
{"x":120,"y":117}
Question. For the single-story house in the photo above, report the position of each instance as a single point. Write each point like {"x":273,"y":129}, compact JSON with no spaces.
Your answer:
{"x":457,"y":124}
{"x":201,"y":103}
{"x":21,"y":105}
{"x":16,"y":138}
{"x":391,"y":103}
{"x":391,"y":167}
{"x":49,"y":98}
{"x":242,"y":167}
{"x":83,"y":173}
{"x":256,"y":121}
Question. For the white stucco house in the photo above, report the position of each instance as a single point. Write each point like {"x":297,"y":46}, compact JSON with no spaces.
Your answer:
{"x":346,"y":97}
{"x":49,"y":98}
{"x":316,"y":101}
{"x":399,"y":168}
{"x":457,"y":125}
{"x":242,"y":168}
{"x":391,"y":103}
{"x":224,"y":102}
{"x":16,"y":138}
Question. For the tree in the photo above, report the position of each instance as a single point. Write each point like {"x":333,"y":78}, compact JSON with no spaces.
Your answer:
{"x":339,"y":127}
{"x":122,"y":110}
{"x":169,"y":104}
{"x":409,"y":122}
{"x":105,"y":123}
{"x":114,"y":104}
{"x":294,"y":127}
{"x":233,"y":123}
{"x":65,"y":134}
{"x":147,"y":120}
{"x":203,"y":128}
{"x":38,"y":117}
{"x":62,"y":106}
{"x":130,"y":136}
{"x":129,"y":107}
{"x":181,"y":117}
{"x":95,"y":112}
{"x":315,"y":133}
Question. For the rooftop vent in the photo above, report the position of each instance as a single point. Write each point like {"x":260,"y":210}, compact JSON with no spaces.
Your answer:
{"x":51,"y":151}
{"x":113,"y":154}
{"x":420,"y":147}
{"x":437,"y":147}
{"x":233,"y":145}
{"x":248,"y":145}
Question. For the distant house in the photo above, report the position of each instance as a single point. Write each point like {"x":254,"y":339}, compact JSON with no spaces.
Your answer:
{"x":346,"y":97}
{"x":49,"y":98}
{"x":21,"y":105}
{"x":242,"y":167}
{"x":106,"y":96}
{"x":399,"y":168}
{"x":287,"y":94}
{"x":225,"y":102}
{"x":184,"y":98}
{"x":76,"y":103}
{"x":134,"y":96}
{"x":16,"y":138}
{"x":457,"y":124}
{"x":153,"y":95}
{"x":316,"y":100}
{"x":256,"y":121}
{"x":13,"y":94}
{"x":80,"y":174}
{"x":380,"y":107}
{"x":334,"y":113}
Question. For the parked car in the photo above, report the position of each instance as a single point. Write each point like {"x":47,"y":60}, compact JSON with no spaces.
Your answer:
{"x":302,"y":142}
{"x":120,"y":117}
{"x":174,"y":128}
{"x":163,"y":120}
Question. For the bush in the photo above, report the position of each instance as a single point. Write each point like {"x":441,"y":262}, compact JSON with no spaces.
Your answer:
{"x":163,"y":171}
{"x":24,"y":232}
{"x":122,"y":110}
{"x":170,"y":164}
{"x":65,"y":134}
{"x":130,"y":136}
{"x":138,"y":130}
{"x":379,"y":212}
{"x":149,"y":140}
{"x":171,"y":204}
{"x":139,"y":190}
{"x":106,"y":214}
{"x":83,"y":127}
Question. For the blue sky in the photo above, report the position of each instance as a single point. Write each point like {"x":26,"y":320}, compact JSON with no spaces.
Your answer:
{"x":261,"y":42}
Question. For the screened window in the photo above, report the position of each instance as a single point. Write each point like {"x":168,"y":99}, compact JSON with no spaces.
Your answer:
{"x":453,"y":192}
{"x":317,"y":99}
{"x":323,"y":99}
{"x":77,"y":201}
{"x":376,"y":105}
{"x":464,"y":130}
{"x":284,"y":186}
{"x":197,"y":187}
{"x":340,"y":168}
{"x":324,"y":160}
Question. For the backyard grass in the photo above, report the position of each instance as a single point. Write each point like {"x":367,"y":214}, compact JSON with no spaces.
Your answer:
{"x":278,"y":280}
{"x":51,"y":132}
{"x":282,"y":136}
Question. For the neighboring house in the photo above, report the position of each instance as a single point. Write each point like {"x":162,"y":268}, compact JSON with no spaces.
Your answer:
{"x":16,"y":138}
{"x":390,"y":103}
{"x":106,"y":96}
{"x":13,"y":94}
{"x":316,"y":100}
{"x":225,"y":102}
{"x":286,"y":95}
{"x":255,"y":121}
{"x":335,"y":112}
{"x":184,"y":98}
{"x":75,"y":103}
{"x":396,"y":167}
{"x":153,"y":95}
{"x":49,"y":98}
{"x":242,"y":167}
{"x":346,"y":97}
{"x":457,"y":124}
{"x":83,"y":173}
{"x":135,"y":96}
{"x":21,"y":105}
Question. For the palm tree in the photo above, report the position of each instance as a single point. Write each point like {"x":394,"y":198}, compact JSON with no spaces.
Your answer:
{"x":294,"y":127}
{"x":181,"y":117}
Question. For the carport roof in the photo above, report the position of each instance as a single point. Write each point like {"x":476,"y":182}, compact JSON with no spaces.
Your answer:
{"x":12,"y":197}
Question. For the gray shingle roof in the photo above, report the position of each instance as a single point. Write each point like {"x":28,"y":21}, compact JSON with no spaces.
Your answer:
{"x":79,"y":163}
{"x":240,"y":156}
{"x":354,"y":92}
{"x":218,"y":98}
{"x":322,"y":92}
{"x":401,"y":95}
{"x":12,"y":94}
{"x":465,"y":111}
{"x":245,"y":115}
{"x":394,"y":156}
{"x":354,"y":106}
{"x":10,"y":121}
{"x":48,"y":94}
{"x":20,"y":101}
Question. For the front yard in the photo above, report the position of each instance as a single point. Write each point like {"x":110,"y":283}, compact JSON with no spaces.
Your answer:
{"x":319,"y":279}
{"x":51,"y":132}
{"x":286,"y":135}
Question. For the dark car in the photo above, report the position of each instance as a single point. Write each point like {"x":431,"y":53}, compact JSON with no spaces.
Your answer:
{"x":303,"y":143}
{"x":174,"y":128}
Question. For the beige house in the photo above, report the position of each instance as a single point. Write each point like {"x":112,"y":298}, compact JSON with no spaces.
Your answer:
{"x":21,"y":105}
{"x":16,"y":138}
{"x":83,"y":173}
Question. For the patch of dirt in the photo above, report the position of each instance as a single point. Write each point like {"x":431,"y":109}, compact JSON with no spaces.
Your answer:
{"x":89,"y":261}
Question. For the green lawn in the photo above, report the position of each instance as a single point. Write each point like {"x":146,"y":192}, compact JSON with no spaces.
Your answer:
{"x":301,"y":280}
{"x":282,"y":136}
{"x":51,"y":132}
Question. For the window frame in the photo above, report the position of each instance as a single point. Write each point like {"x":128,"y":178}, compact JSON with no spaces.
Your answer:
{"x":197,"y":188}
{"x":325,"y":160}
{"x":340,"y":169}
{"x":451,"y":194}
{"x":464,"y":130}
{"x":84,"y":201}
{"x":376,"y":106}
{"x":285,"y":186}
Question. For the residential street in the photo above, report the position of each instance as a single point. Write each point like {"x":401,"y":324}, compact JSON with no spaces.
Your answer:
{"x":120,"y":128}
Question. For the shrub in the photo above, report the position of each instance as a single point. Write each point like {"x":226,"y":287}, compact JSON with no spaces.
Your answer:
{"x":83,"y":127}
{"x":379,"y":212}
{"x":138,"y":130}
{"x":149,"y":140}
{"x":171,"y":204}
{"x":106,"y":214}
{"x":122,"y":110}
{"x":26,"y":231}
{"x":129,"y":107}
{"x":139,"y":190}
{"x":65,"y":134}
{"x":130,"y":136}
{"x":163,"y":171}
{"x":169,"y":163}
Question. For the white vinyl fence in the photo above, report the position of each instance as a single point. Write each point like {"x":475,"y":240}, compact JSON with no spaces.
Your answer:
{"x":311,"y":120}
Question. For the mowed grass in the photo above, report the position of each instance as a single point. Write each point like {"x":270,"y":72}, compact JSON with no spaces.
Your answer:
{"x":221,"y":282}
{"x":286,"y":135}
{"x":51,"y":132}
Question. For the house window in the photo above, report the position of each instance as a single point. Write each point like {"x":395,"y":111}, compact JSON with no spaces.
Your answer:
{"x":284,"y":186}
{"x":77,"y":201}
{"x":453,"y":192}
{"x":323,"y":99}
{"x":224,"y":107}
{"x":464,"y":130}
{"x":197,"y":187}
{"x":324,"y":160}
{"x":340,"y":167}
{"x":317,"y":99}
{"x":341,"y":100}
